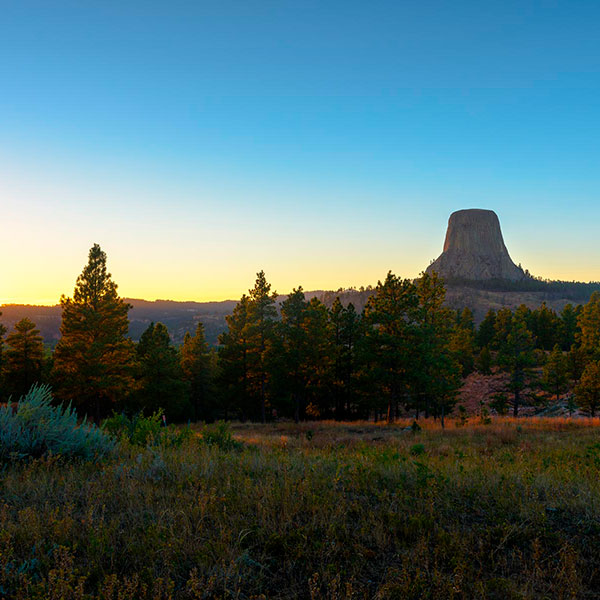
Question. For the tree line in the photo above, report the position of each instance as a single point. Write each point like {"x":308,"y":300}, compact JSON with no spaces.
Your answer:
{"x":405,"y":352}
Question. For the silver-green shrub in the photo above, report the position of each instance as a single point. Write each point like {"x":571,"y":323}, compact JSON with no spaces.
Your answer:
{"x":34,"y":427}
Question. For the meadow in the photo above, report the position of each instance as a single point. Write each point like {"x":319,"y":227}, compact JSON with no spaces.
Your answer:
{"x":503,"y":509}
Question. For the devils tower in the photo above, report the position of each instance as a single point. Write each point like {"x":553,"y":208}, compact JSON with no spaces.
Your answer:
{"x":474,"y":249}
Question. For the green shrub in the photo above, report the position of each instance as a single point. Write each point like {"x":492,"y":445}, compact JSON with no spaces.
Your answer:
{"x":417,"y":449}
{"x":219,"y":435}
{"x":139,"y":430}
{"x":34,"y":427}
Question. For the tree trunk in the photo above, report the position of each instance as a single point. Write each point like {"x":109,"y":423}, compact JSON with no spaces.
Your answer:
{"x":296,"y":407}
{"x":263,"y":408}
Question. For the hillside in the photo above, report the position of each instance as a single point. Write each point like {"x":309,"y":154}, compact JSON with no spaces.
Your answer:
{"x":180,"y":317}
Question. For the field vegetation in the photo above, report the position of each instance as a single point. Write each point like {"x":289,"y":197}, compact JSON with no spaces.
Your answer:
{"x":488,"y":509}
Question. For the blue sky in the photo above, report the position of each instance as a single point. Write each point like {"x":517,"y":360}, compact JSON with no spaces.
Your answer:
{"x":325,"y":142}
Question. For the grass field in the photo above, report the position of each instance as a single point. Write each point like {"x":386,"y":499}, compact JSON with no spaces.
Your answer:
{"x":321,"y":510}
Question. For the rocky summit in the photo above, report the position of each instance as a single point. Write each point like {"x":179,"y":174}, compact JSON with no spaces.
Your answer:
{"x":474,"y":249}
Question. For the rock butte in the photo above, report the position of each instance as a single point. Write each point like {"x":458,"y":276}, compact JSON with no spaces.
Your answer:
{"x":474,"y":249}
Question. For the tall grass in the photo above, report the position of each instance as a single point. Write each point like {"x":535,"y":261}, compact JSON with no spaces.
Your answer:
{"x":508,"y":510}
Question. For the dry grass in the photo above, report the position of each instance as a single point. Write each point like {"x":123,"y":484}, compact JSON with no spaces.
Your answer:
{"x":317,"y":510}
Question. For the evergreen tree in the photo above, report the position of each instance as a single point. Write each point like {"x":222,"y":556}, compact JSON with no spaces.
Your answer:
{"x":318,"y":359}
{"x":503,"y":327}
{"x":94,"y":361}
{"x":466,"y":320}
{"x":576,"y":361}
{"x":516,"y":357}
{"x":588,"y":389}
{"x":545,"y":327}
{"x":303,"y":352}
{"x":197,"y":367}
{"x":161,"y":384}
{"x":234,"y":360}
{"x":346,"y":333}
{"x":392,"y":337}
{"x":555,"y":373}
{"x":589,"y":326}
{"x":568,"y":328}
{"x":484,"y":361}
{"x":23,"y":358}
{"x":262,"y":316}
{"x":438,"y":372}
{"x":462,"y":344}
{"x":487,"y":329}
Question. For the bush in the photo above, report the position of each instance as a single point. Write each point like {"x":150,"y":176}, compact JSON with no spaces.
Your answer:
{"x":145,"y":431}
{"x":219,"y":435}
{"x":417,"y":449}
{"x":137,"y":430}
{"x":33,"y":427}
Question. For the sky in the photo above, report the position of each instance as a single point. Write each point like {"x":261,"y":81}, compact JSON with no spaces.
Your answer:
{"x":325,"y":142}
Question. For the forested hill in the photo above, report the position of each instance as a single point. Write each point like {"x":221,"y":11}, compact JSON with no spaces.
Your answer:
{"x":180,"y":317}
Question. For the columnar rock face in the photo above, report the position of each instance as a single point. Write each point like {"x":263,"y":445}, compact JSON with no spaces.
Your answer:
{"x":474,"y":249}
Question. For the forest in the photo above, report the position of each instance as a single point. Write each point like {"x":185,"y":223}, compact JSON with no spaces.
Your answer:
{"x":404,"y":354}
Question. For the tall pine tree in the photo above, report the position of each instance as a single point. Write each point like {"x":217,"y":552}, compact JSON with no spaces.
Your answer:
{"x":233,"y":354}
{"x":197,"y":366}
{"x":161,"y":384}
{"x":262,"y":316}
{"x":392,"y":337}
{"x":23,"y":357}
{"x":94,"y":360}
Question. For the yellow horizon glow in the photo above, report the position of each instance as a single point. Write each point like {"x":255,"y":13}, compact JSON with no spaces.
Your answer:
{"x":204,"y":245}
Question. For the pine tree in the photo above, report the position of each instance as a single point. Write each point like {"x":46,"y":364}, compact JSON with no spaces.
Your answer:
{"x":346,"y":334}
{"x":233,"y":361}
{"x":484,"y":361}
{"x":94,"y":361}
{"x":576,"y":361}
{"x":197,"y":367}
{"x":466,"y":320}
{"x":503,"y":327}
{"x":462,"y":342}
{"x":545,"y":326}
{"x":23,"y":358}
{"x":589,"y":325}
{"x":516,"y":357}
{"x":568,"y":328}
{"x":262,"y":315}
{"x":555,"y":373}
{"x":161,"y":384}
{"x":487,"y":329}
{"x":296,"y":362}
{"x":438,"y":374}
{"x":588,"y":390}
{"x":392,"y":338}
